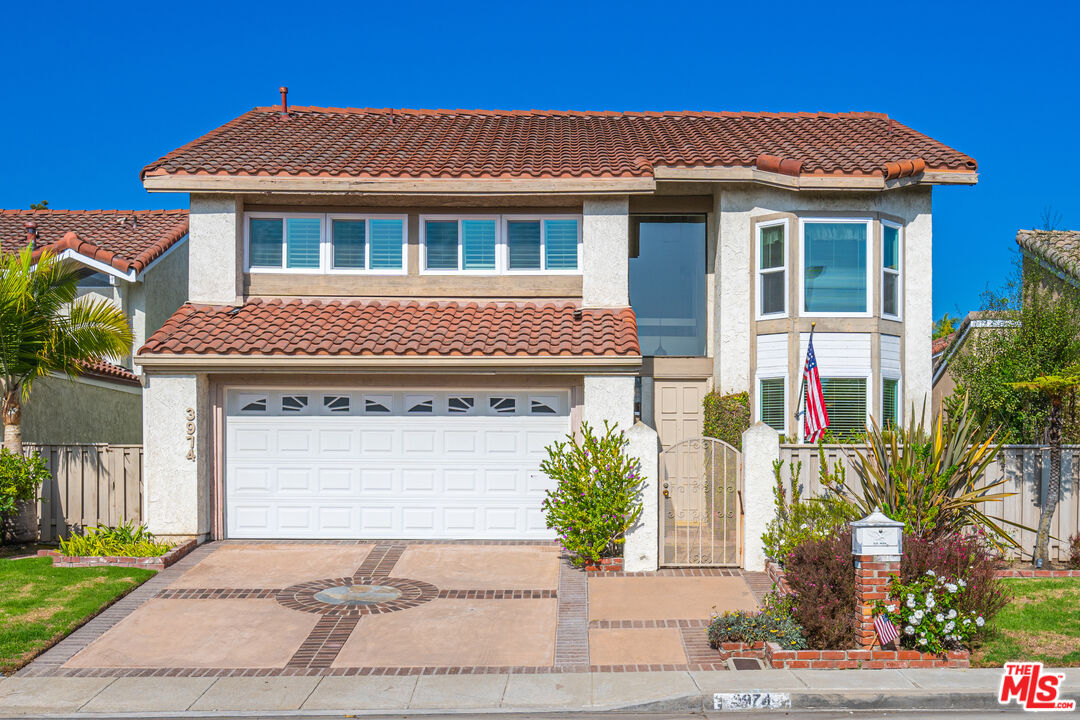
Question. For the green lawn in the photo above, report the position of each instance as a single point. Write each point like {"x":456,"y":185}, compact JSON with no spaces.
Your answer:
{"x":1041,"y":623}
{"x":40,"y":604}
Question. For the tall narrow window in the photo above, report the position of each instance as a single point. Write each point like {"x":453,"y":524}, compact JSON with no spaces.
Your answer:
{"x":386,"y":241}
{"x":350,"y":244}
{"x":771,"y":397}
{"x":302,"y":239}
{"x":889,"y":415}
{"x":845,"y":401}
{"x":523,"y":239}
{"x":441,"y":241}
{"x":890,"y":271}
{"x":771,"y":253}
{"x":478,"y":244}
{"x":834,"y":267}
{"x":265,"y":241}
{"x":561,"y":244}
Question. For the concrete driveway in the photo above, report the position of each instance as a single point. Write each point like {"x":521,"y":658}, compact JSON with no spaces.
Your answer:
{"x":401,"y":608}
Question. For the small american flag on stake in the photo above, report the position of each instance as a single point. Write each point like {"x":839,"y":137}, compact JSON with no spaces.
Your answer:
{"x":815,"y":416}
{"x":886,"y":631}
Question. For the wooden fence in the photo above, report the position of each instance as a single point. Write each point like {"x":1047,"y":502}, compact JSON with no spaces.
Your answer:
{"x":1024,"y":467}
{"x":90,"y":485}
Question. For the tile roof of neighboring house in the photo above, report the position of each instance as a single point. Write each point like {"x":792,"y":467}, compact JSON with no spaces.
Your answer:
{"x":1060,"y":248}
{"x":108,"y":371}
{"x":386,"y":143}
{"x":939,"y":344}
{"x":346,"y":328}
{"x":125,"y":239}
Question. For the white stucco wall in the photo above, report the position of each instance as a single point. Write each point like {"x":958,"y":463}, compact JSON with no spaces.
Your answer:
{"x":737,"y":205}
{"x":611,"y":398}
{"x":215,"y":224}
{"x":605,"y":237}
{"x":642,"y":545}
{"x":761,"y":446}
{"x":176,"y":490}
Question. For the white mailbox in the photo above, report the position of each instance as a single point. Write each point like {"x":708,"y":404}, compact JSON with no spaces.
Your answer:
{"x":876,"y":534}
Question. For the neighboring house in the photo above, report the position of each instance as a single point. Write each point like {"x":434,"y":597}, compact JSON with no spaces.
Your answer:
{"x":134,"y":259}
{"x":393,"y":312}
{"x":1055,"y":252}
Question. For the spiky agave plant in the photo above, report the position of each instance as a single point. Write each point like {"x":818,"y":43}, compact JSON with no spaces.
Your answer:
{"x":931,"y":479}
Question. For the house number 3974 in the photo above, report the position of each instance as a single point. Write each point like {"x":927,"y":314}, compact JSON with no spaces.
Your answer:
{"x":189,"y":429}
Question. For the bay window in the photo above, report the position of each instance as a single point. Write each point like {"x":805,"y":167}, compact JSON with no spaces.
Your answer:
{"x":890,"y":270}
{"x":834,"y":268}
{"x":772,"y":262}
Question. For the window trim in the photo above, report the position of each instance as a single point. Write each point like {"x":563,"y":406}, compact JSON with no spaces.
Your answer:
{"x":899,"y":272}
{"x":542,"y":270}
{"x":759,"y":280}
{"x":899,"y":398}
{"x":869,"y":223}
{"x":460,"y":270}
{"x":757,"y":400}
{"x":326,"y":244}
{"x":867,"y":376}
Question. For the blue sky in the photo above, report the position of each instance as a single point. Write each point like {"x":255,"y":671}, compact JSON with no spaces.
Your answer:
{"x":93,"y":91}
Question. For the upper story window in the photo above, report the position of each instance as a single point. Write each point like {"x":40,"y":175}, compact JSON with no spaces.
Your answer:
{"x":500,"y":244}
{"x":890,"y":269}
{"x":325,"y":242}
{"x":835,"y":279}
{"x":772,"y":261}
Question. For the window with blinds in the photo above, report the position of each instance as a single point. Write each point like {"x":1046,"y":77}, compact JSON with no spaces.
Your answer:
{"x":561,"y":244}
{"x":834,"y":266}
{"x":296,"y":242}
{"x":772,"y":285}
{"x":523,"y":244}
{"x":501,"y":244}
{"x":889,"y":415}
{"x":845,"y":401}
{"x":771,"y":399}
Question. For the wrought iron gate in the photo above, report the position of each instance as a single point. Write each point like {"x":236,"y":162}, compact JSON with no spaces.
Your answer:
{"x":701,"y":504}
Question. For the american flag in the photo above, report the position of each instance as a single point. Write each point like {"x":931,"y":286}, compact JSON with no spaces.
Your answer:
{"x":886,"y":631}
{"x":815,"y":417}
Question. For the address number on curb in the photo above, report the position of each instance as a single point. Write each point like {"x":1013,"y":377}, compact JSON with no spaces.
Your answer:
{"x":751,"y":701}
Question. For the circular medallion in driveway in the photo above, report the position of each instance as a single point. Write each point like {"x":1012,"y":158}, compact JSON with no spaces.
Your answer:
{"x":355,"y":596}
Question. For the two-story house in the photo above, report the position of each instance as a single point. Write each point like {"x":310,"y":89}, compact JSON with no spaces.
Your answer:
{"x":393,"y":312}
{"x":136,"y":260}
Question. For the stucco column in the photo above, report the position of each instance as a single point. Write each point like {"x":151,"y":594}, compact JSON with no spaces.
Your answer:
{"x":918,"y":310}
{"x":611,"y":398}
{"x":605,"y":237}
{"x":176,"y":456}
{"x":731,"y":350}
{"x":215,"y":244}
{"x":642,"y":546}
{"x":760,"y":447}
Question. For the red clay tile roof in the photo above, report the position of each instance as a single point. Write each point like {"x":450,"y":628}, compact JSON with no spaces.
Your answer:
{"x":939,"y":344}
{"x":108,"y":371}
{"x":125,"y":239}
{"x":312,"y":327}
{"x":382,"y":143}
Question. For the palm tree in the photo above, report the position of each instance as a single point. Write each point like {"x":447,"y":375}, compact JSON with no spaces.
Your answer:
{"x":1057,"y":388}
{"x":44,"y":329}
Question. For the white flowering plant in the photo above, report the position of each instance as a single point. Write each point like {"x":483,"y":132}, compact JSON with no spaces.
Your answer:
{"x":925,"y":611}
{"x":597,"y":495}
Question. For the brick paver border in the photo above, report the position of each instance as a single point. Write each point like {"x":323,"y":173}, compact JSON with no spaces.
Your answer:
{"x":572,"y":617}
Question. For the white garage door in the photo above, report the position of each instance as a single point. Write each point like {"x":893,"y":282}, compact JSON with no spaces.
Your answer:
{"x":385,"y":464}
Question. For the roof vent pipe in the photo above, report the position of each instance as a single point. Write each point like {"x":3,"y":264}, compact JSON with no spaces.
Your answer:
{"x":31,"y":233}
{"x":284,"y":102}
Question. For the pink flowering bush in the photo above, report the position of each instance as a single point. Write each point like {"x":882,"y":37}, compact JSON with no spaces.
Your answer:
{"x":597,"y":495}
{"x":822,"y":577}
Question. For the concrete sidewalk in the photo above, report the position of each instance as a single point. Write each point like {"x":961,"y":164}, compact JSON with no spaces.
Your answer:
{"x":678,"y":691}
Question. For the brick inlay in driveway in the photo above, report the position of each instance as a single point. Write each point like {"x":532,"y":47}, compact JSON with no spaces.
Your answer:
{"x":325,"y":642}
{"x":381,"y":560}
{"x":572,"y":630}
{"x":303,"y":597}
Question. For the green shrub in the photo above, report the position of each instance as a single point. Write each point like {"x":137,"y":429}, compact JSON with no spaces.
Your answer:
{"x":798,"y":521}
{"x":20,"y":478}
{"x":773,"y":623}
{"x":1074,"y":552}
{"x":928,"y":615}
{"x":727,"y":417}
{"x":597,"y":495}
{"x":125,"y":540}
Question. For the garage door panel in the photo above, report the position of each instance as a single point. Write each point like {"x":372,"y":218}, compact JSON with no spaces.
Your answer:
{"x":351,"y":474}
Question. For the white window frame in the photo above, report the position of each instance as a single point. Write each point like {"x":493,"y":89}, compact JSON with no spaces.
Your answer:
{"x":760,"y":274}
{"x":425,"y":270}
{"x":787,"y":400}
{"x":869,"y":223}
{"x":542,"y":270}
{"x":868,"y":376}
{"x":326,"y":247}
{"x":899,"y":398}
{"x":899,"y":272}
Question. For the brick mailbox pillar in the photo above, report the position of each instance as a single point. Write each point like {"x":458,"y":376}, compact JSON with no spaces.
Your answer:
{"x":876,"y":544}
